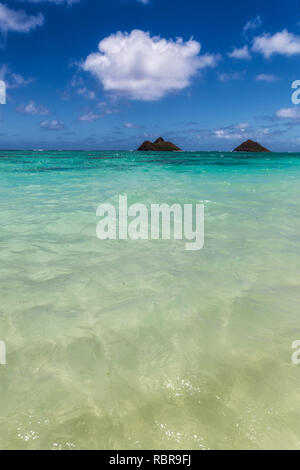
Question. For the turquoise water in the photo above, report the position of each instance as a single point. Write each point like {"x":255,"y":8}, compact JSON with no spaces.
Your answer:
{"x":129,"y":345}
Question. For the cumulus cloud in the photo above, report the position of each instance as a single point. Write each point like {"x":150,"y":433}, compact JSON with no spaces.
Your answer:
{"x":240,"y":53}
{"x":264,"y":77}
{"x":52,"y":125}
{"x":18,"y":21}
{"x":146,"y":68}
{"x":284,"y":43}
{"x":89,"y":117}
{"x":33,"y":109}
{"x":288,"y":113}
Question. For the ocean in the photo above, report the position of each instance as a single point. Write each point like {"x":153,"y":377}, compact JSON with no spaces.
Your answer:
{"x":123,"y":344}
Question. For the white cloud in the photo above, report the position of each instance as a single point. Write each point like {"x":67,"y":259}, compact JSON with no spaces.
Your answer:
{"x":227,"y":135}
{"x":253,"y":24}
{"x":280,"y":43}
{"x":146,"y":68}
{"x":130,"y":125}
{"x":33,"y":109}
{"x":264,"y":77}
{"x":12,"y":80}
{"x":89,"y":117}
{"x":18,"y":21}
{"x":242,"y":126}
{"x":53,"y":125}
{"x":288,"y":113}
{"x":105,"y":110}
{"x":240,"y":132}
{"x":240,"y":53}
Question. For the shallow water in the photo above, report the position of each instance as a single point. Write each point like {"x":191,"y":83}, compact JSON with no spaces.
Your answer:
{"x":128,"y":345}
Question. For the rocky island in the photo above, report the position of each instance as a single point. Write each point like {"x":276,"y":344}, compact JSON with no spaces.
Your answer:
{"x":251,"y":146}
{"x":160,"y":145}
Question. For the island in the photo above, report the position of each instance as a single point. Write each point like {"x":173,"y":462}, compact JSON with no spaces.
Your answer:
{"x":251,"y":146}
{"x":160,"y":145}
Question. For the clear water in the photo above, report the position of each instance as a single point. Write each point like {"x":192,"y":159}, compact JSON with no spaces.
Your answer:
{"x":128,"y":345}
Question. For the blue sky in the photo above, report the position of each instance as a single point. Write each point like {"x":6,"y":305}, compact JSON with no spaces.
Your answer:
{"x":109,"y":74}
